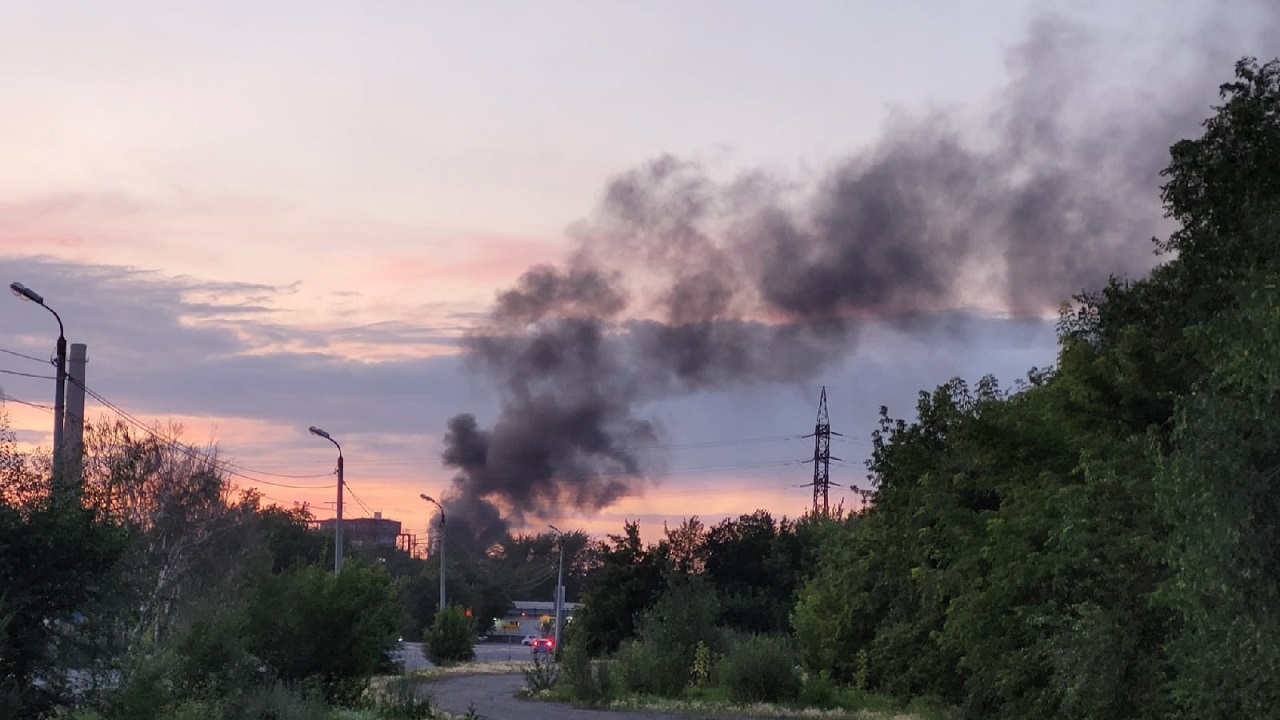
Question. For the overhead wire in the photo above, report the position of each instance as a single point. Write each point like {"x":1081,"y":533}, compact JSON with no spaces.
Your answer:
{"x":9,"y":398}
{"x":243,"y":472}
{"x":720,"y":443}
{"x":29,"y":375}
{"x":681,"y":446}
{"x":226,"y":466}
{"x":24,"y":356}
{"x":367,"y":511}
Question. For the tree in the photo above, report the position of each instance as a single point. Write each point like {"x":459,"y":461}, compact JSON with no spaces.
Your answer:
{"x":451,"y":637}
{"x":1216,"y":181}
{"x":630,"y":580}
{"x":308,"y":624}
{"x":57,"y":568}
{"x":684,"y":547}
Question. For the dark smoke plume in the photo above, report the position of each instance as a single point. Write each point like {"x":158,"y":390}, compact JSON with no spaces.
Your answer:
{"x":680,"y":282}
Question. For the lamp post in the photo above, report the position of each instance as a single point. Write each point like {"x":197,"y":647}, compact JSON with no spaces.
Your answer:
{"x":559,"y":587}
{"x":337,"y":524}
{"x":432,"y":500}
{"x":60,"y":393}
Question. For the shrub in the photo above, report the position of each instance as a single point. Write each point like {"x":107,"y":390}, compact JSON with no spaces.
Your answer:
{"x":55,"y":561}
{"x":687,"y":614}
{"x":818,"y":690}
{"x":210,"y":659}
{"x":649,"y":668}
{"x":401,"y":699}
{"x":325,"y":631}
{"x":278,"y":702}
{"x":451,"y":638}
{"x":760,"y":668}
{"x":703,"y":662}
{"x":660,"y":661}
{"x":588,"y":681}
{"x":542,"y":675}
{"x":147,"y":689}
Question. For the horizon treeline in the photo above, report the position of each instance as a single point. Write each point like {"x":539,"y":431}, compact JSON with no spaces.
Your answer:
{"x":1100,"y":541}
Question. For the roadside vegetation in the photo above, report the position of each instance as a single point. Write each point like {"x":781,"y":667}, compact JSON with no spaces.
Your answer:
{"x":163,"y":592}
{"x":1100,"y":541}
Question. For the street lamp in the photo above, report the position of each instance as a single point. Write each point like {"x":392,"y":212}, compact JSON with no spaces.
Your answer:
{"x":60,"y":392}
{"x":431,"y":500}
{"x":559,"y":587}
{"x":337,"y":525}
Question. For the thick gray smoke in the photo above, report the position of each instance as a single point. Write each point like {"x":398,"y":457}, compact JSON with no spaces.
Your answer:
{"x":680,"y":282}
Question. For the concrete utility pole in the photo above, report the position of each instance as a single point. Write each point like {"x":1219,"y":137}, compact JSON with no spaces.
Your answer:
{"x":337,"y":524}
{"x":559,"y":588}
{"x":60,"y":392}
{"x":822,"y":458}
{"x":440,"y":545}
{"x":73,"y":430}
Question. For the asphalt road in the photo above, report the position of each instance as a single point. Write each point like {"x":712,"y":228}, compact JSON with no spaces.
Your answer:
{"x":494,"y":698}
{"x":410,"y":657}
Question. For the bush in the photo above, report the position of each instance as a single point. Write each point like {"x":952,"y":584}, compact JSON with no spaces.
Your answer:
{"x":588,"y":681}
{"x":542,"y":675}
{"x":660,"y":661}
{"x":201,"y":670}
{"x":451,"y":637}
{"x":401,"y":699}
{"x":147,"y":689}
{"x":688,"y":613}
{"x":197,"y":710}
{"x":326,"y":631}
{"x":819,"y":690}
{"x":760,"y":668}
{"x":210,"y":659}
{"x":278,"y":702}
{"x":55,"y":562}
{"x":651,"y":669}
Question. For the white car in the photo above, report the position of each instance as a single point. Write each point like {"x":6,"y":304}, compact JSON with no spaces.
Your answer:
{"x":530,"y":639}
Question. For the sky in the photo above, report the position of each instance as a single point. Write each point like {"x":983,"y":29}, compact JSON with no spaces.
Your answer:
{"x":263,"y":217}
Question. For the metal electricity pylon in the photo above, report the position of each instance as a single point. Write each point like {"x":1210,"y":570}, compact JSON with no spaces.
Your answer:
{"x":822,"y":459}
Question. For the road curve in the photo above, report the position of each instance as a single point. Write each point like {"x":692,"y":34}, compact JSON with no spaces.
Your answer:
{"x":494,"y":698}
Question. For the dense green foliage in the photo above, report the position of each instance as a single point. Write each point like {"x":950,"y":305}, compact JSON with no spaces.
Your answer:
{"x":1101,"y":542}
{"x":451,"y":637}
{"x":760,"y":668}
{"x":159,"y":595}
{"x":56,"y":564}
{"x":335,"y":630}
{"x":1104,"y":542}
{"x":630,"y":579}
{"x":664,"y":614}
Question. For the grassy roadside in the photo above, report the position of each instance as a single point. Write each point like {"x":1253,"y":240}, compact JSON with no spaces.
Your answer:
{"x":874,"y":708}
{"x":851,"y":705}
{"x":501,"y":667}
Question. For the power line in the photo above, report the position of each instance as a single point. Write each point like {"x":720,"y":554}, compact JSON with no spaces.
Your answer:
{"x":25,"y":357}
{"x":309,"y":507}
{"x":720,"y":443}
{"x":697,"y":445}
{"x":30,"y":375}
{"x":718,"y":490}
{"x":226,"y":466}
{"x":367,"y":511}
{"x":279,"y":475}
{"x":10,"y":398}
